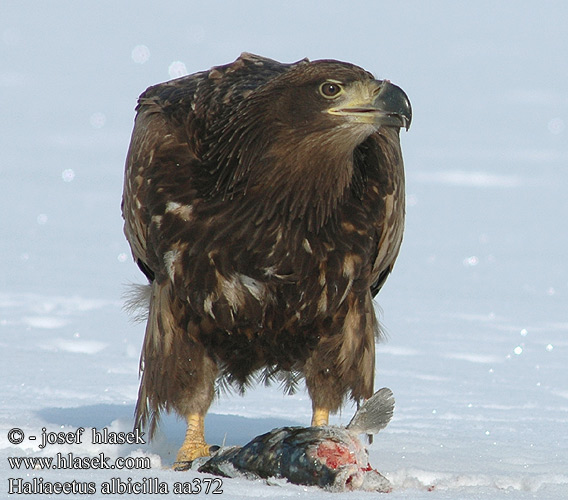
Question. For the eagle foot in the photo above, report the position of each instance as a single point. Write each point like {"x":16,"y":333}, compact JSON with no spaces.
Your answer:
{"x":320,"y":416}
{"x":187,"y":454}
{"x":181,"y":466}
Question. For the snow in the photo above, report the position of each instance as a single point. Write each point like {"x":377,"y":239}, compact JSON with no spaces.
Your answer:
{"x":476,"y":311}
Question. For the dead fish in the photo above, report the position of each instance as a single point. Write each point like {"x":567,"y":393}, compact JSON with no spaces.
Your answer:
{"x":331,"y":457}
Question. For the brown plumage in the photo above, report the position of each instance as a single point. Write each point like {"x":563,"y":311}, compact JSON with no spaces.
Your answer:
{"x":265,"y":204}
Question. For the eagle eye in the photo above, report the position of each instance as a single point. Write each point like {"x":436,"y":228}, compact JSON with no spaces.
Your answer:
{"x":330,"y":90}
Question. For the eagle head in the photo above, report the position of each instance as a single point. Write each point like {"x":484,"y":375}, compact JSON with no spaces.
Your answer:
{"x":291,"y":134}
{"x":331,"y":101}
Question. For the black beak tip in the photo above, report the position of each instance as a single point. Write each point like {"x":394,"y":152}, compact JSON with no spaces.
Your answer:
{"x":407,"y":121}
{"x":393,"y":99}
{"x":402,"y":102}
{"x":408,"y":114}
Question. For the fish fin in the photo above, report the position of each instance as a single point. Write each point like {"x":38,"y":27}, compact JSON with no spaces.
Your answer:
{"x":374,"y":414}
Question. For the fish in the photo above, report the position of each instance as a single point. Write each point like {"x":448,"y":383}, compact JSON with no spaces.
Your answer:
{"x":331,"y":457}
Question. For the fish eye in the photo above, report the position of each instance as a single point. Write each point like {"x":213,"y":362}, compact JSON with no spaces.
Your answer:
{"x":330,"y":90}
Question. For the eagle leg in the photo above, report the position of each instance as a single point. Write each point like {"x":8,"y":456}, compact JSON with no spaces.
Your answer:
{"x":194,"y":445}
{"x":325,"y":391}
{"x":320,"y":416}
{"x":177,"y":373}
{"x":343,"y":363}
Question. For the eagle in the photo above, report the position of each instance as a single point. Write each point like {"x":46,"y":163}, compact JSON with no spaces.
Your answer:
{"x":264,"y":203}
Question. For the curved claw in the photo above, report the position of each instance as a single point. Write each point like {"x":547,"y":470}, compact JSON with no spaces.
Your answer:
{"x":181,"y":466}
{"x":190,"y":451}
{"x":186,"y":457}
{"x":194,"y":445}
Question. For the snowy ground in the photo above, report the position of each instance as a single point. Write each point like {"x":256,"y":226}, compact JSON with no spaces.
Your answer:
{"x":476,"y":310}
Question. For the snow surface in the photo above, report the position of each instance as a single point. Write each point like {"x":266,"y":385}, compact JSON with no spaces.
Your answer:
{"x":476,"y":309}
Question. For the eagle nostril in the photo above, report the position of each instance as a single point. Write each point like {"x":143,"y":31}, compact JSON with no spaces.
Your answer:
{"x":379,"y":86}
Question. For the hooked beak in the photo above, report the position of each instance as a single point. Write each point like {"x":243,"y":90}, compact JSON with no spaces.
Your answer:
{"x":388,"y":106}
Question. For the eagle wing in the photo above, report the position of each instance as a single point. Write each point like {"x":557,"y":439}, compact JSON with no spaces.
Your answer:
{"x":167,"y":144}
{"x":383,"y":148}
{"x":158,"y":167}
{"x":154,"y":145}
{"x":145,"y":140}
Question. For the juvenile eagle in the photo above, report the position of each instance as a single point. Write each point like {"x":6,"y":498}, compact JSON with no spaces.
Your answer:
{"x":264,"y":202}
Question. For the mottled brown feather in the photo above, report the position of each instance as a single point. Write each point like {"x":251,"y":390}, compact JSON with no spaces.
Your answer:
{"x":264,"y":231}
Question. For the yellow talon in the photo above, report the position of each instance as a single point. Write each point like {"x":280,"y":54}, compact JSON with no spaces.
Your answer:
{"x":194,"y":445}
{"x":320,"y":417}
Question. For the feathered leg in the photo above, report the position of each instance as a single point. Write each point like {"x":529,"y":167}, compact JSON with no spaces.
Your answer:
{"x":177,"y":373}
{"x":193,"y":405}
{"x":344,"y":361}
